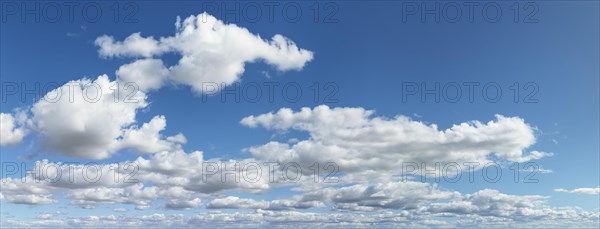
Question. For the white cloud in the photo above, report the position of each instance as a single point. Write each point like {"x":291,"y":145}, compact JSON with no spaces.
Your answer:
{"x":247,"y":180}
{"x":146,"y":74}
{"x":137,"y":195}
{"x":93,"y":120}
{"x":175,"y":176}
{"x":212,"y":52}
{"x":147,"y":139}
{"x":80,"y":176}
{"x":588,"y":191}
{"x":27,"y":191}
{"x":236,"y":203}
{"x":356,"y":141}
{"x":44,"y":216}
{"x":172,"y":163}
{"x":183,"y":204}
{"x":31,"y":199}
{"x":177,"y":168}
{"x":77,"y":125}
{"x":294,"y":204}
{"x":11,"y":132}
{"x":134,"y":45}
{"x":489,"y":202}
{"x":390,"y":195}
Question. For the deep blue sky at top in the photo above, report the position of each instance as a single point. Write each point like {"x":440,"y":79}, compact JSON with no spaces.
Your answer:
{"x":368,"y":53}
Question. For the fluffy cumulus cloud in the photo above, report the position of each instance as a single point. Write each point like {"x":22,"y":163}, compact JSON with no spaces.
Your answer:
{"x":45,"y":179}
{"x":178,"y":204}
{"x":134,"y":45}
{"x":120,"y":209}
{"x":88,"y":122}
{"x":489,"y":202}
{"x":148,"y":139}
{"x":138,"y":195}
{"x":81,"y":176}
{"x":145,"y":74}
{"x":192,"y":172}
{"x":27,"y":191}
{"x":11,"y":130}
{"x":389,"y":195}
{"x":356,"y":141}
{"x":211,"y":52}
{"x":236,"y":202}
{"x":93,"y":119}
{"x":588,"y":191}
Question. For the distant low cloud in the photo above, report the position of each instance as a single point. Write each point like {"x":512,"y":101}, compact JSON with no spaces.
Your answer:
{"x":588,"y":191}
{"x":234,"y":202}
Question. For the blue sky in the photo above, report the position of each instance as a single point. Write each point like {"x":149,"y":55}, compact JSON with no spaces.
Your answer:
{"x":363,"y":59}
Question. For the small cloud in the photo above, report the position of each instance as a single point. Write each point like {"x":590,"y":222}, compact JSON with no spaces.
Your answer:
{"x":266,"y":74}
{"x":538,"y":170}
{"x":83,"y":28}
{"x":587,"y":191}
{"x":142,"y":207}
{"x":44,"y":216}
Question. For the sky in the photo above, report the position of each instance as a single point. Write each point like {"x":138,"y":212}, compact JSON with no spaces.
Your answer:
{"x":275,"y":114}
